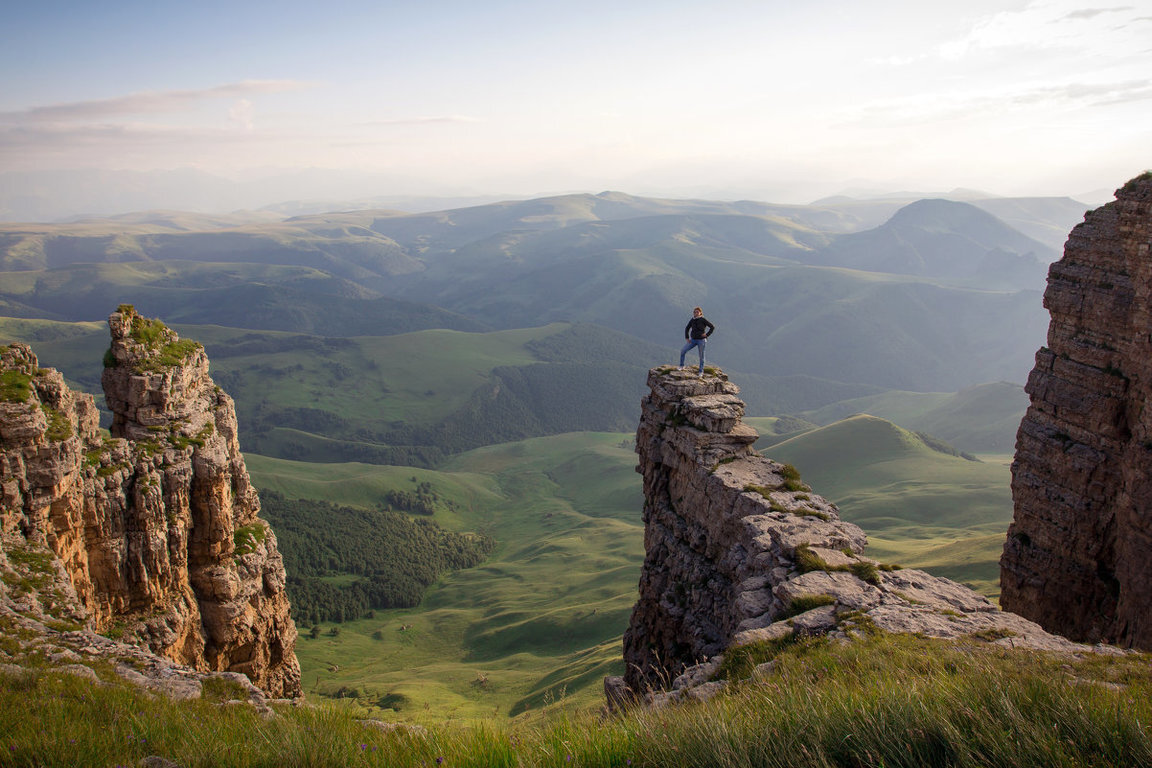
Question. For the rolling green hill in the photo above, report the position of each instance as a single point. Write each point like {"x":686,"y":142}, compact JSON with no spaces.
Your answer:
{"x":948,"y":240}
{"x":542,"y":617}
{"x":980,"y":419}
{"x":920,"y":508}
{"x":241,"y":295}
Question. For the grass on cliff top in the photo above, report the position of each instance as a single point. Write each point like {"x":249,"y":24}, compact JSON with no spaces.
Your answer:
{"x":883,"y":701}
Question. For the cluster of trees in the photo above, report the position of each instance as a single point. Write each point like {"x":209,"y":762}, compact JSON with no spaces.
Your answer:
{"x":343,"y":562}
{"x":941,"y":446}
{"x":422,"y":501}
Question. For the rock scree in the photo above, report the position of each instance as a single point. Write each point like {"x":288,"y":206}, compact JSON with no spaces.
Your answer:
{"x":739,"y":550}
{"x":151,"y":536}
{"x":1077,"y":553}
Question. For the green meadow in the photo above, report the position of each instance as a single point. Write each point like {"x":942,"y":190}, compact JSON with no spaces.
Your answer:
{"x":416,"y":377}
{"x":538,"y":623}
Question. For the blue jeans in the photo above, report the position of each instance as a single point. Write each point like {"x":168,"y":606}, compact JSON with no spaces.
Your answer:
{"x":699,"y":344}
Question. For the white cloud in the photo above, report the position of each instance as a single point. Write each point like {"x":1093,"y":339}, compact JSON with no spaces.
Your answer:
{"x":1048,"y":24}
{"x":149,"y":102}
{"x":242,"y":114}
{"x":420,"y":121}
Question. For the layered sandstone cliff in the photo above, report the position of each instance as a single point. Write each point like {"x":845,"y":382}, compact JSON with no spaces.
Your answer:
{"x":1077,"y":555}
{"x":739,"y":550}
{"x":153,"y":533}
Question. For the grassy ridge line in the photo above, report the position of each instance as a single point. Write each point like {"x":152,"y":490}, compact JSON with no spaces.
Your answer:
{"x":540,"y":621}
{"x":920,"y":508}
{"x":980,"y":419}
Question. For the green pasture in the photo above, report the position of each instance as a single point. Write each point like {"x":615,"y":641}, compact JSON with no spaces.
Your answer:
{"x":418,"y":378}
{"x":980,"y":419}
{"x":539,"y":622}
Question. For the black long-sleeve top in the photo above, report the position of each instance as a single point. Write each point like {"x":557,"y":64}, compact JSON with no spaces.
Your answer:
{"x":695,"y":328}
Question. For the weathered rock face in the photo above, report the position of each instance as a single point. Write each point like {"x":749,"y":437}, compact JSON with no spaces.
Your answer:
{"x":1077,"y":555}
{"x":738,"y":551}
{"x":157,"y":529}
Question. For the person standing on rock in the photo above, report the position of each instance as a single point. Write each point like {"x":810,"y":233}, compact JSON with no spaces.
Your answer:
{"x":696,"y":332}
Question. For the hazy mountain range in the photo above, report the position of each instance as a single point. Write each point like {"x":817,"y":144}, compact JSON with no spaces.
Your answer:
{"x":941,"y":296}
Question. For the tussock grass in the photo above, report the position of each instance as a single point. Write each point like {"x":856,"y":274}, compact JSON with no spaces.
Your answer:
{"x":15,"y":387}
{"x":880,"y":701}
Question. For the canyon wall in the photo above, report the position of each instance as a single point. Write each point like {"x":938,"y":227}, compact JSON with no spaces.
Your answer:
{"x":154,"y":531}
{"x":1077,"y":555}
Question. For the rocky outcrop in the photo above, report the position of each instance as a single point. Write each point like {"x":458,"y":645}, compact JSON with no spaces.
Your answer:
{"x":1077,"y":553}
{"x":153,"y":534}
{"x":739,"y":550}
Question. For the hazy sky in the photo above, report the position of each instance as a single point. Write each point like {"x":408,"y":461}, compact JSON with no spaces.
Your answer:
{"x":775,"y":100}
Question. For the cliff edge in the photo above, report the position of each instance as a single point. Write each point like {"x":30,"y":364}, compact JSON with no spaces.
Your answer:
{"x":152,"y":536}
{"x":1077,"y":552}
{"x":738,"y":551}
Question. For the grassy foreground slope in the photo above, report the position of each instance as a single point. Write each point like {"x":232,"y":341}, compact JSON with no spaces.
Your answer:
{"x":879,"y":701}
{"x":921,"y":508}
{"x":539,"y":622}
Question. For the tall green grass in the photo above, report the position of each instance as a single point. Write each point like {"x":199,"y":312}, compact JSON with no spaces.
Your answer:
{"x":882,"y":701}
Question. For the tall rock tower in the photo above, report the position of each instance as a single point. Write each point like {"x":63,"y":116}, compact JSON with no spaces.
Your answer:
{"x":738,"y":550}
{"x":156,"y":529}
{"x":1077,"y":557}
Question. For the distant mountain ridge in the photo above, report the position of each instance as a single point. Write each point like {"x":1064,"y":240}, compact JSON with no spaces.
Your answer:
{"x":948,"y":240}
{"x":940,"y":297}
